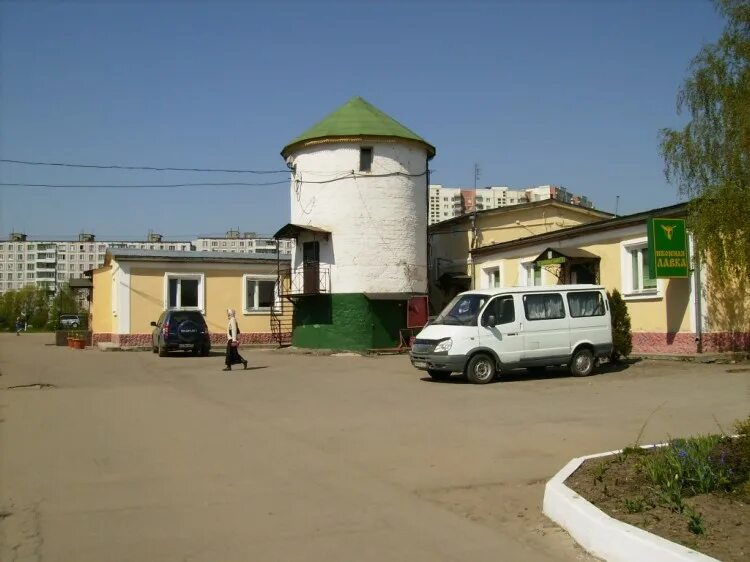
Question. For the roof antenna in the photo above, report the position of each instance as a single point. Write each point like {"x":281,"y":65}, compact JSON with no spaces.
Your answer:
{"x":617,"y":203}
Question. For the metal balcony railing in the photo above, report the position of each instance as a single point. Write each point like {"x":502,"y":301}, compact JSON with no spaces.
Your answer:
{"x":309,"y":279}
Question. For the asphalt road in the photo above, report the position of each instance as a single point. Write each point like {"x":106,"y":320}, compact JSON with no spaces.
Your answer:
{"x":126,"y":456}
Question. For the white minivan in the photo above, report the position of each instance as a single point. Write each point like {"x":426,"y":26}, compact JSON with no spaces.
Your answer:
{"x":483,"y":332}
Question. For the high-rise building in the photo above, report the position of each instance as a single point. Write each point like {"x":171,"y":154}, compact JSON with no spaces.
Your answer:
{"x":448,"y":202}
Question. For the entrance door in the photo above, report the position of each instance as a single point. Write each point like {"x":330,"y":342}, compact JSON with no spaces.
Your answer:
{"x":583,"y":274}
{"x":311,"y":267}
{"x":504,"y":337}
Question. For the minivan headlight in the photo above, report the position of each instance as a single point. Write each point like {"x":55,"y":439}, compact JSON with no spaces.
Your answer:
{"x":444,"y":346}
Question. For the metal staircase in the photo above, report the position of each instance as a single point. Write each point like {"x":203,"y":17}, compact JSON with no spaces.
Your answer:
{"x":282,"y":321}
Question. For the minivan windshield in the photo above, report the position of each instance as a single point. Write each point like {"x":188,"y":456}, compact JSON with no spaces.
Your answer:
{"x":462,"y":310}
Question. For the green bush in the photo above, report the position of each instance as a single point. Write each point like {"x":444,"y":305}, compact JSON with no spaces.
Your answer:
{"x":622,"y":337}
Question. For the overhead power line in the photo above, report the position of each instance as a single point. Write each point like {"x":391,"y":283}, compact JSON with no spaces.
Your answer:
{"x":354,"y":175}
{"x":149,"y":168}
{"x":98,"y":186}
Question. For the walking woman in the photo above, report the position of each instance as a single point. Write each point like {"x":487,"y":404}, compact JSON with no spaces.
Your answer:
{"x":233,"y":356}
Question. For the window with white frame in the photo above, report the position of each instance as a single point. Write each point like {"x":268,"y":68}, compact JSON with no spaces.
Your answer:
{"x":184,"y":290}
{"x":638,"y":280}
{"x":259,"y":293}
{"x":532,"y":274}
{"x":492,"y":277}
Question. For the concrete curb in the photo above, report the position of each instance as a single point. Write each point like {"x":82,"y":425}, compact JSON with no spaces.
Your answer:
{"x":602,"y":535}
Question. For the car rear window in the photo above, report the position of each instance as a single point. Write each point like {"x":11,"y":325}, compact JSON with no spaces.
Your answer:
{"x":181,"y":316}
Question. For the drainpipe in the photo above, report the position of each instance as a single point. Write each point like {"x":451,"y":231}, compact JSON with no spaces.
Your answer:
{"x":698,"y":306}
{"x":428,"y":249}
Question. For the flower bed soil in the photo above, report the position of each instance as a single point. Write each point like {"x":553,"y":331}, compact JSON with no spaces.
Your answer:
{"x":619,"y":486}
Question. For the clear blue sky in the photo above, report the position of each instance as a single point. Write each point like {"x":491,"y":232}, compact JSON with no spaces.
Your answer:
{"x":569,"y":92}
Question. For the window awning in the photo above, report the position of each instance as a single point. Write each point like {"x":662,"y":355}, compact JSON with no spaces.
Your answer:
{"x":552,"y":256}
{"x":292,"y":230}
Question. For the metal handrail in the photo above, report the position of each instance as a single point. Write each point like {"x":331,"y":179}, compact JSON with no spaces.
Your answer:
{"x":304,"y":280}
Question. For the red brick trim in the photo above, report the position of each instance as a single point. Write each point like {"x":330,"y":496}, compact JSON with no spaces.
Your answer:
{"x":141,"y":340}
{"x":685,"y":342}
{"x":726,"y":341}
{"x":671,"y":342}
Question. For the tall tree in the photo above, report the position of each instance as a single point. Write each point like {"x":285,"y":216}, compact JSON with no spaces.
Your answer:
{"x":709,"y":158}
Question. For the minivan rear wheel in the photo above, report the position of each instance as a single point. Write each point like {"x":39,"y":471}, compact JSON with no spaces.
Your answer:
{"x":582,"y":363}
{"x":481,"y":369}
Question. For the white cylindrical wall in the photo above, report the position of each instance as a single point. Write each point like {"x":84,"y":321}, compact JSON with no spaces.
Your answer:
{"x":378,"y":223}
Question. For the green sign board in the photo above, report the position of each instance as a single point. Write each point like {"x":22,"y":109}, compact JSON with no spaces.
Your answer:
{"x":667,"y":249}
{"x":551,"y":261}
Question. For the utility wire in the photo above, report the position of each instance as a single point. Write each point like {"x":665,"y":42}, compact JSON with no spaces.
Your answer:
{"x":96,"y":186}
{"x":150,"y":168}
{"x":353,"y":175}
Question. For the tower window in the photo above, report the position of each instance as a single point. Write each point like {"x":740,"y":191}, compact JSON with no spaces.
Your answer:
{"x":365,"y":159}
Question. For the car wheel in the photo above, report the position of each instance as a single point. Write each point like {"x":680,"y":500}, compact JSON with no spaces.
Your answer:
{"x":481,"y":369}
{"x":162,"y":351}
{"x":205,"y":350}
{"x":582,"y":363}
{"x":154,"y":348}
{"x":75,"y":324}
{"x":439,"y":375}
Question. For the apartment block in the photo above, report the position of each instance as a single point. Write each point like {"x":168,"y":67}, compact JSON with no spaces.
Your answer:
{"x":448,"y":202}
{"x":50,"y":263}
{"x":242,"y":243}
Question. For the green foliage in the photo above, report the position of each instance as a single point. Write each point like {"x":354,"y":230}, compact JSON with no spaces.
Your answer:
{"x":635,"y":505}
{"x":622,"y":337}
{"x":687,"y":467}
{"x":709,"y":158}
{"x":742,"y":427}
{"x":64,"y":302}
{"x":695,"y":521}
{"x":599,"y":471}
{"x":39,"y":308}
{"x":30,"y":301}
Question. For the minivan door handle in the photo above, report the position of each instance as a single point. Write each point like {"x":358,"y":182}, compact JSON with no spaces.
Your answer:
{"x":512,"y":334}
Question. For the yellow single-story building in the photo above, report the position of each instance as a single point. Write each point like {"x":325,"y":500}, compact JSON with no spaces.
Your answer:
{"x":135,"y":286}
{"x":668,"y":315}
{"x":451,"y":241}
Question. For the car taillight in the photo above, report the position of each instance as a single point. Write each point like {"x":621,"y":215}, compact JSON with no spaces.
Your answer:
{"x":165,"y":329}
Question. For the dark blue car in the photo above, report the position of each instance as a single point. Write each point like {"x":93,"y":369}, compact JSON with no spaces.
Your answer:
{"x":180,"y":330}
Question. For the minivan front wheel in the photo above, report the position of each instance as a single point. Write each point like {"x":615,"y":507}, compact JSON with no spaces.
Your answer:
{"x":481,"y":369}
{"x":582,"y":363}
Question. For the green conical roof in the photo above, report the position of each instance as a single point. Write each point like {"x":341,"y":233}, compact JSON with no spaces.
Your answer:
{"x":357,"y":118}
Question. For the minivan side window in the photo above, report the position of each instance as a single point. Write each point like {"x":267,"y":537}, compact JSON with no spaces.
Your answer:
{"x":544,"y":306}
{"x":502,"y":309}
{"x":583,"y":304}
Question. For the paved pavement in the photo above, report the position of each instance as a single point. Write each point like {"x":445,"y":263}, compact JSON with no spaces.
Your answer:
{"x":131,"y":457}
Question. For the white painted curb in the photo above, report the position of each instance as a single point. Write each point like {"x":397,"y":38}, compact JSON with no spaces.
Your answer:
{"x":600,"y":534}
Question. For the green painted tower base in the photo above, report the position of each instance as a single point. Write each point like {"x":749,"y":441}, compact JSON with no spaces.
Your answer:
{"x":347,"y":322}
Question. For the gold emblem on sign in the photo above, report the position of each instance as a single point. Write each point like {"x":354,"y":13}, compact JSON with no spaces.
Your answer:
{"x":668,"y":230}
